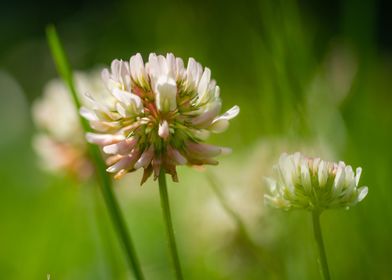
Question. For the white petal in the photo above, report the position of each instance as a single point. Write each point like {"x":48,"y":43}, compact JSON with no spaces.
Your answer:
{"x":205,"y":118}
{"x":171,"y":66}
{"x":105,"y":75}
{"x":219,"y":126}
{"x":88,"y":114}
{"x":153,"y":67}
{"x":203,"y":84}
{"x":322,"y":173}
{"x":362,"y":193}
{"x":229,"y":114}
{"x":349,"y":178}
{"x":180,"y":68}
{"x":339,"y":178}
{"x":103,"y":139}
{"x":128,"y":98}
{"x":163,"y":130}
{"x":271,"y":183}
{"x":166,"y":94}
{"x":315,"y":164}
{"x":305,"y":177}
{"x":201,"y":134}
{"x":194,"y":71}
{"x":358,"y":172}
{"x":115,"y":67}
{"x":121,"y":110}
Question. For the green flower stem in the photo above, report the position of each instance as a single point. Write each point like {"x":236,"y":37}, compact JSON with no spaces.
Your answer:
{"x":320,"y":245}
{"x":105,"y":183}
{"x":168,"y":223}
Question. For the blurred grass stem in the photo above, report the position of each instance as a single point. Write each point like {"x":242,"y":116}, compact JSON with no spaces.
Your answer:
{"x":320,"y":245}
{"x":267,"y":260}
{"x":222,"y":200}
{"x":168,"y":223}
{"x":105,"y":183}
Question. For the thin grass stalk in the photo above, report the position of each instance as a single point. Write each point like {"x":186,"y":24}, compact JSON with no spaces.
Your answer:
{"x":267,"y":260}
{"x":104,"y":181}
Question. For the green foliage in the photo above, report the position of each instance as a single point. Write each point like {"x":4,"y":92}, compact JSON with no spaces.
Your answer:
{"x":285,"y":67}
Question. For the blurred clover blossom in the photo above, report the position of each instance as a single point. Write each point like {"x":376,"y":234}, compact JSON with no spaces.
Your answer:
{"x":60,"y":142}
{"x":157,"y":116}
{"x":313,"y":184}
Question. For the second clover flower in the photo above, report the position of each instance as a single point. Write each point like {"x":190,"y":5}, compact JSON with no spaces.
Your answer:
{"x":157,"y":116}
{"x":313,"y":184}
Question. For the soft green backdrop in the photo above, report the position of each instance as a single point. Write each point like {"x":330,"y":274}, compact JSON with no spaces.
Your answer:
{"x":309,"y":77}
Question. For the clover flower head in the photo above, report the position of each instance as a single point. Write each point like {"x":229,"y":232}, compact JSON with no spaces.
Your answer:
{"x":313,"y":184}
{"x":60,"y":142}
{"x":157,"y":116}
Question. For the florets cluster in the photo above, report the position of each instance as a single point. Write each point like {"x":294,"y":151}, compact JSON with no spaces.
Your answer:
{"x":157,"y":116}
{"x":313,"y":184}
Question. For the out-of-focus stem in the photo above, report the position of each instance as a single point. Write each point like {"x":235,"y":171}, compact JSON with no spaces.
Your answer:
{"x":267,"y":260}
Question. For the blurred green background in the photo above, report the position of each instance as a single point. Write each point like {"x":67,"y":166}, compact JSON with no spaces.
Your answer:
{"x":313,"y":76}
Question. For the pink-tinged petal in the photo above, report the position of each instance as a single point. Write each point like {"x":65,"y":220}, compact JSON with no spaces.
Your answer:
{"x":176,"y":156}
{"x":205,"y":118}
{"x":163,"y":130}
{"x":145,"y":158}
{"x":124,"y":163}
{"x":226,"y":151}
{"x":205,"y":150}
{"x":103,"y":139}
{"x":124,"y":147}
{"x":113,"y":159}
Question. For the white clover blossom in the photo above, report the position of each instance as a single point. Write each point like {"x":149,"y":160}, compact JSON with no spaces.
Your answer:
{"x":313,"y":184}
{"x":157,"y":116}
{"x":60,"y":142}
